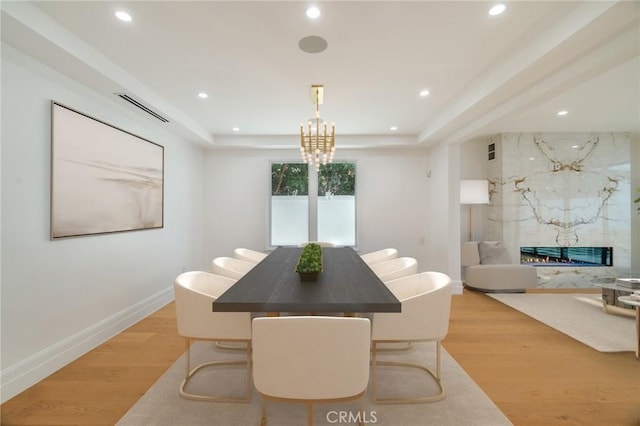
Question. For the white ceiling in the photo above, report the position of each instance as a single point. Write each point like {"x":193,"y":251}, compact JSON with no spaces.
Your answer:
{"x":507,"y":73}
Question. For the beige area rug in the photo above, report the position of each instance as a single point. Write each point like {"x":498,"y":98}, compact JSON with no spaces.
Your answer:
{"x":465,"y":404}
{"x":577,"y":315}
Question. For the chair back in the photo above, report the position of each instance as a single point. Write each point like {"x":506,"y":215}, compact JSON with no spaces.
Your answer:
{"x":248,"y":255}
{"x":395,"y":268}
{"x":195,"y":291}
{"x":426,"y":304}
{"x":379,"y":256}
{"x":311,"y":357}
{"x":230,"y":267}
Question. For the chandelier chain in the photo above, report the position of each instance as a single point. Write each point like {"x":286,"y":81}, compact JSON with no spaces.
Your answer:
{"x":317,"y":146}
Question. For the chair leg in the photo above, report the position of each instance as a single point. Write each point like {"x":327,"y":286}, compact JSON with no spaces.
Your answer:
{"x":413,"y":400}
{"x":222,"y":345}
{"x":189,"y":374}
{"x":263,"y":417}
{"x":405,"y":347}
{"x":188,"y":355}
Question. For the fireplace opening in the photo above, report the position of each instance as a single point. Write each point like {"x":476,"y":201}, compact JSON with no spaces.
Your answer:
{"x":566,"y":256}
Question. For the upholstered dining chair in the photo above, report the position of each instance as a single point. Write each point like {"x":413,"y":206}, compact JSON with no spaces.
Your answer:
{"x":426,"y":303}
{"x":195,"y":291}
{"x":379,"y":256}
{"x":395,"y":268}
{"x":309,"y":359}
{"x":248,"y":255}
{"x":230,"y":267}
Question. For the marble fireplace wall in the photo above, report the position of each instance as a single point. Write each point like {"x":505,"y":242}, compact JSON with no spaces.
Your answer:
{"x":563,"y":189}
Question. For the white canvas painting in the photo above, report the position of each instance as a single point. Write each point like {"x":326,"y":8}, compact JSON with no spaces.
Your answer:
{"x":103,"y":179}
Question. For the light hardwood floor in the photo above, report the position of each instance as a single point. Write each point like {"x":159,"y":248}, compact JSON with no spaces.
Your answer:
{"x":534,"y":374}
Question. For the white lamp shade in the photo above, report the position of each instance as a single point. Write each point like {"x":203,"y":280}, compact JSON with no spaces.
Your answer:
{"x":474,"y":192}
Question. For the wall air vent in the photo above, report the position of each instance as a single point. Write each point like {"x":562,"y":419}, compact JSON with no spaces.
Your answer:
{"x":492,"y":151}
{"x":140,"y":105}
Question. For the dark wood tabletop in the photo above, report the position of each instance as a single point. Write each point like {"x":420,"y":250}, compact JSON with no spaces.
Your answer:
{"x":346,"y":285}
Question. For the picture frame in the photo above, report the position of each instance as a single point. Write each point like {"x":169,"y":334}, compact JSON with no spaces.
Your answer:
{"x":103,"y":179}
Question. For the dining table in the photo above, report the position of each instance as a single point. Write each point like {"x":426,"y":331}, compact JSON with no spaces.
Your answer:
{"x":346,"y":285}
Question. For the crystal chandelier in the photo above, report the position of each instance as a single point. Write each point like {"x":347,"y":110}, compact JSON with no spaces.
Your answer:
{"x":317,"y":145}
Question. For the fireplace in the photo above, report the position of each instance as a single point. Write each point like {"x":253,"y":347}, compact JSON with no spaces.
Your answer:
{"x":566,"y":256}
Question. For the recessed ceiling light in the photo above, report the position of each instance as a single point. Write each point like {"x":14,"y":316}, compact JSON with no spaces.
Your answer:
{"x":236,"y":129}
{"x":123,"y":16}
{"x":575,"y":146}
{"x":393,"y":128}
{"x":203,"y":95}
{"x":497,"y":9}
{"x":532,"y":158}
{"x":313,"y":12}
{"x":424,"y":93}
{"x":563,"y":112}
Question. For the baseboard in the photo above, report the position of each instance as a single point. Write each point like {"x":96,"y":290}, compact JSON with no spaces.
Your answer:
{"x":456,"y":287}
{"x":31,"y":370}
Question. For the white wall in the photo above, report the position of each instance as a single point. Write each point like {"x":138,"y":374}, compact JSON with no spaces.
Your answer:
{"x":236,"y":202}
{"x":443,"y":216}
{"x":61,"y":298}
{"x":391,"y":190}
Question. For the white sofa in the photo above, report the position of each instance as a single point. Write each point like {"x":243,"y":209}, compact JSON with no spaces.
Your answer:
{"x":495,"y":277}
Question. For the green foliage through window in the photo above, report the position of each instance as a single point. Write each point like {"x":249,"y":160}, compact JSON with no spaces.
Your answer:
{"x":292,"y":179}
{"x":337,"y":179}
{"x":289,"y":179}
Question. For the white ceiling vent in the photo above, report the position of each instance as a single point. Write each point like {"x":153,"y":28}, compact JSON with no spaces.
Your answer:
{"x":140,"y":105}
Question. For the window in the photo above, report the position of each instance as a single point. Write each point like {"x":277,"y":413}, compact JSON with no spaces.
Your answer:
{"x":289,"y":203}
{"x":337,"y":203}
{"x":313,"y":206}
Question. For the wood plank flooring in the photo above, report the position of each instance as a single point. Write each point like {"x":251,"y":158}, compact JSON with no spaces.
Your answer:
{"x":534,"y":374}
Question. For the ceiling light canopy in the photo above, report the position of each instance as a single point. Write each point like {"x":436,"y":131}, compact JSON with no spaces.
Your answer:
{"x":317,"y":145}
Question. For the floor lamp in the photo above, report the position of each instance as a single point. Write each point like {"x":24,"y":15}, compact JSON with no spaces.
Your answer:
{"x":473,"y":192}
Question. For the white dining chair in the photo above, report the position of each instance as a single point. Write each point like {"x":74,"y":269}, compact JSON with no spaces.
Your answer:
{"x":248,"y":255}
{"x":426,"y":304}
{"x":230,"y":267}
{"x":395,"y":268}
{"x":379,"y":256}
{"x":195,"y":292}
{"x":310,"y":359}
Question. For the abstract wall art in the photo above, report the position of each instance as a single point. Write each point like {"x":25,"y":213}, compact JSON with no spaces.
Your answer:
{"x":103,"y":179}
